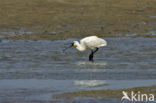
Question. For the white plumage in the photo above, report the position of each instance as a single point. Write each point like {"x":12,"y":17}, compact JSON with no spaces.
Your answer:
{"x":91,"y":42}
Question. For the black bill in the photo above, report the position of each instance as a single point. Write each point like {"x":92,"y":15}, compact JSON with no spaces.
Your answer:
{"x":70,"y":45}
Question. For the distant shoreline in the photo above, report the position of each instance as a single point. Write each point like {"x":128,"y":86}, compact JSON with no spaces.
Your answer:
{"x":61,"y":19}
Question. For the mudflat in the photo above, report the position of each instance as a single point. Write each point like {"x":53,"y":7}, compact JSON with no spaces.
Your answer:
{"x":105,"y":93}
{"x":60,"y":19}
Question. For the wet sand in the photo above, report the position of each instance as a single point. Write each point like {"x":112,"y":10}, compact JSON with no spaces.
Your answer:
{"x":105,"y":93}
{"x":61,"y":19}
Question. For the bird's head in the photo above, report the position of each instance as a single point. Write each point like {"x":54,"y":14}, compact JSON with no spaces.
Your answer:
{"x":75,"y":43}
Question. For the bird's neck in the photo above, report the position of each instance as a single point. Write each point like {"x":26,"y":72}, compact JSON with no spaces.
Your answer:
{"x":80,"y":47}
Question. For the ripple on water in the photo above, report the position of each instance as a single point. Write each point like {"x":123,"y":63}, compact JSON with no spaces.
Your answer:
{"x":91,"y":63}
{"x":37,"y":68}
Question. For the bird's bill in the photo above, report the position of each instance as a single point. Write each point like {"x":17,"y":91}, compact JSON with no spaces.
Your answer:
{"x":71,"y":45}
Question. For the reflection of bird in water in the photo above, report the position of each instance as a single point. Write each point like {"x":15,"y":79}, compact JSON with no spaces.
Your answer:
{"x":90,"y":83}
{"x":91,"y":43}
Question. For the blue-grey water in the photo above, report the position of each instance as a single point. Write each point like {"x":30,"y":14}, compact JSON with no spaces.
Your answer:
{"x":34,"y":71}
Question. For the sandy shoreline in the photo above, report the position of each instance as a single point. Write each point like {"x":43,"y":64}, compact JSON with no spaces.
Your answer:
{"x":105,"y":93}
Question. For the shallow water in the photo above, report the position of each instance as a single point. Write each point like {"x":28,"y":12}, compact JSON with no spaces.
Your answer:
{"x":33,"y":71}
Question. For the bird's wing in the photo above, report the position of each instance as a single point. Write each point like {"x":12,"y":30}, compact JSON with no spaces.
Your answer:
{"x":93,"y":42}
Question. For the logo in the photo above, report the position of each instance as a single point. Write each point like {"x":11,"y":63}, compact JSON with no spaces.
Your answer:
{"x":139,"y":97}
{"x":125,"y":96}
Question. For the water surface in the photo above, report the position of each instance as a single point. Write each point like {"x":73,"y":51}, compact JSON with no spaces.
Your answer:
{"x":33,"y":71}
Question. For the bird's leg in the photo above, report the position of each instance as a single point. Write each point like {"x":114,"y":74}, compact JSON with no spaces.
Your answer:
{"x":95,"y":50}
{"x":91,"y":56}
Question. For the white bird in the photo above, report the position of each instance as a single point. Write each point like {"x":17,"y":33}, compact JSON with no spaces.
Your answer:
{"x":91,"y":43}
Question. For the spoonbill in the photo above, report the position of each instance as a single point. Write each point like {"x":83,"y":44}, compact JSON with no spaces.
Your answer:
{"x":92,"y":43}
